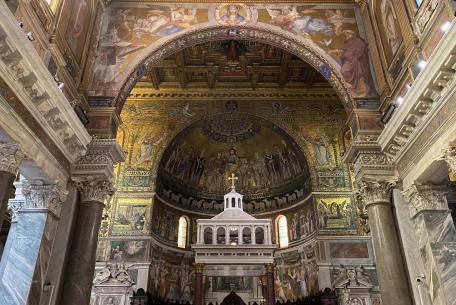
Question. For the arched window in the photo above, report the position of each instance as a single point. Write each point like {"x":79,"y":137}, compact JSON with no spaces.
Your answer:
{"x":282,"y":228}
{"x":208,"y":236}
{"x":259,"y":236}
{"x":182,"y":232}
{"x":221,"y":236}
{"x":246,"y":235}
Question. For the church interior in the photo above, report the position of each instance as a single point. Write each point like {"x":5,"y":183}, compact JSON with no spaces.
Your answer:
{"x":299,"y":152}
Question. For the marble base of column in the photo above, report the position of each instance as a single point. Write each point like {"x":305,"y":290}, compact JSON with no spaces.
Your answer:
{"x":437,"y":242}
{"x":81,"y":263}
{"x":6,"y":184}
{"x":389,"y":263}
{"x":31,"y":234}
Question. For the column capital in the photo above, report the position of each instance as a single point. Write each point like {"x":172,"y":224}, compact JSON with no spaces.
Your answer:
{"x":425,"y":197}
{"x":362,"y":3}
{"x":40,"y":195}
{"x":93,"y":173}
{"x":269,"y":267}
{"x":11,"y":157}
{"x":199,"y":267}
{"x":449,"y":155}
{"x":94,"y":190}
{"x":370,"y":192}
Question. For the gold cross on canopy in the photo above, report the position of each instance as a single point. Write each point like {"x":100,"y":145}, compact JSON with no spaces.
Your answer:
{"x":233,"y":178}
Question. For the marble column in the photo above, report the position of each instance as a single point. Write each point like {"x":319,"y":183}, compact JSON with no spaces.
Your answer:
{"x":10,"y":158}
{"x":270,"y":291}
{"x":32,"y":242}
{"x":92,"y":175}
{"x":436,"y":236}
{"x":375,"y":195}
{"x":198,"y":298}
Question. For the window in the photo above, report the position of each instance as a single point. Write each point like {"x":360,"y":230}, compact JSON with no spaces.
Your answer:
{"x":282,"y":228}
{"x":182,"y":233}
{"x":246,"y":235}
{"x":259,"y":235}
{"x":208,"y":236}
{"x":221,"y":236}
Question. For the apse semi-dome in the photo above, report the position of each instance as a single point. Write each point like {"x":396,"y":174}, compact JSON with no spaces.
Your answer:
{"x":271,"y":170}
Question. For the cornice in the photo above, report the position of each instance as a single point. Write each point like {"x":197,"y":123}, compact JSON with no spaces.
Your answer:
{"x":139,"y":94}
{"x":424,"y":99}
{"x":23,"y":71}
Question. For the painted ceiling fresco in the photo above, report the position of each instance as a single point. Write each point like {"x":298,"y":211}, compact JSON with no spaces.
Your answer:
{"x":264,"y":158}
{"x":129,"y":28}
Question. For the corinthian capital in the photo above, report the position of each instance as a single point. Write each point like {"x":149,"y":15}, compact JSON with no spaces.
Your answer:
{"x":426,"y":197}
{"x":449,"y":155}
{"x":94,"y":190}
{"x":39,"y":195}
{"x":374,"y":191}
{"x":10,"y":157}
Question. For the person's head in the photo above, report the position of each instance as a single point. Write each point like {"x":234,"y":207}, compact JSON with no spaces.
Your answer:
{"x":349,"y":33}
{"x":233,"y":10}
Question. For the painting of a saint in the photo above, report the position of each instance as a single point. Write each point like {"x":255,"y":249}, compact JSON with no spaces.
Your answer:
{"x":355,"y":65}
{"x":389,"y":20}
{"x":320,"y":145}
{"x":233,"y":14}
{"x":78,"y":26}
{"x":147,"y":144}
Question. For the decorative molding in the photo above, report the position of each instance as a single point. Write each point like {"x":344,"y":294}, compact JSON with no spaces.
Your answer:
{"x":428,"y":94}
{"x":93,"y":173}
{"x":94,"y":190}
{"x":426,"y":197}
{"x":39,"y":195}
{"x":369,"y":192}
{"x":14,"y":206}
{"x":352,"y":277}
{"x":289,"y":42}
{"x":113,"y":274}
{"x":23,"y":70}
{"x":11,"y":157}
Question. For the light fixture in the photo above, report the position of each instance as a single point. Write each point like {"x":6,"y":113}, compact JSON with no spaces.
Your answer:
{"x":399,"y":100}
{"x":408,"y":87}
{"x":61,"y":85}
{"x":446,"y":26}
{"x":388,"y":113}
{"x":30,"y":36}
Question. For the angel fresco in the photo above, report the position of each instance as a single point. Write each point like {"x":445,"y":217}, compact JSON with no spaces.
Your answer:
{"x":159,"y":22}
{"x":389,"y":21}
{"x":289,"y":19}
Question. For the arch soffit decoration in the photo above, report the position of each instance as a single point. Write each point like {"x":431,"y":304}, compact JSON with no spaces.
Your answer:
{"x":303,"y":48}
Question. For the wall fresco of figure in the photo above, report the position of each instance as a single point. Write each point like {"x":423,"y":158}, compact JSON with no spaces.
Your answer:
{"x":389,"y":30}
{"x":128,"y":250}
{"x":172,"y":275}
{"x":296,"y":275}
{"x":130,"y":28}
{"x":335,"y":214}
{"x":78,"y":26}
{"x":132,"y":216}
